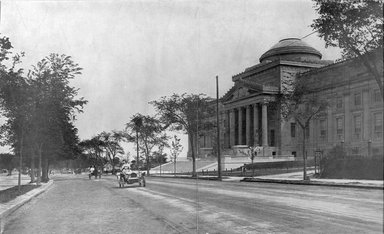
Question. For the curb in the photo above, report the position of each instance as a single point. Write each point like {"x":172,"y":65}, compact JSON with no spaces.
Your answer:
{"x":313,"y":183}
{"x":188,"y":177}
{"x":20,"y":201}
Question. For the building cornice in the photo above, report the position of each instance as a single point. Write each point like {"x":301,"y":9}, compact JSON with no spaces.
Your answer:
{"x":266,"y":66}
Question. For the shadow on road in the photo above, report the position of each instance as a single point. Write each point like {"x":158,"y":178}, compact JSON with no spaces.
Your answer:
{"x":127,"y":187}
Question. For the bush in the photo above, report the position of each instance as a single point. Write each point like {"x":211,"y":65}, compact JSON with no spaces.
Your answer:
{"x":337,"y":165}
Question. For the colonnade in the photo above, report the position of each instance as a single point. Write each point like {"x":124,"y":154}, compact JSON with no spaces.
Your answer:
{"x":248,"y":125}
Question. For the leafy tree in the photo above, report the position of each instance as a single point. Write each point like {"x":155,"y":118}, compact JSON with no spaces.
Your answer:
{"x":357,"y":28}
{"x":55,"y":106}
{"x":176,"y":149}
{"x":112,"y":145}
{"x":15,"y":103}
{"x":298,"y":102}
{"x":149,"y":135}
{"x":8,"y":161}
{"x":135,"y":124}
{"x":159,"y":157}
{"x":187,"y":113}
{"x":94,"y":149}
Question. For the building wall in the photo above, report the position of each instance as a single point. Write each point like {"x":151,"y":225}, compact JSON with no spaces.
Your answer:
{"x":353,"y":98}
{"x":342,"y":85}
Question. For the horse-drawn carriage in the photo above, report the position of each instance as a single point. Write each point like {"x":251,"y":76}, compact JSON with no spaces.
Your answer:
{"x":93,"y":171}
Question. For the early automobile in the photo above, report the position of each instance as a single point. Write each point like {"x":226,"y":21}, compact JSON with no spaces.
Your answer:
{"x":131,"y":177}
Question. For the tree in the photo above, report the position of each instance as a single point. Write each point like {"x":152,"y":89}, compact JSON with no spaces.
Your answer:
{"x":159,"y":157}
{"x":186,"y":113}
{"x":298,"y":102}
{"x":135,"y":125}
{"x":93,"y":148}
{"x":149,"y":134}
{"x":15,"y":103}
{"x":8,"y":161}
{"x":357,"y":28}
{"x":176,"y":149}
{"x":54,"y":109}
{"x":111,"y":142}
{"x":39,"y":108}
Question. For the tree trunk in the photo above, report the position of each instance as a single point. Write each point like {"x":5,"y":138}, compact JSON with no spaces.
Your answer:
{"x":193,"y":155}
{"x":21,"y":160}
{"x":147,"y":157}
{"x":137,"y":149}
{"x":45,"y":168}
{"x":113,"y":164}
{"x":174,"y":166}
{"x":304,"y":157}
{"x":40,"y":168}
{"x":32,"y":171}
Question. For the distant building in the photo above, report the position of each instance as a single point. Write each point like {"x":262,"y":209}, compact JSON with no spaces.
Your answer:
{"x":353,"y":120}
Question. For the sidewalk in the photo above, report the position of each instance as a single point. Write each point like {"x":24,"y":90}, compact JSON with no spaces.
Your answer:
{"x":293,"y":178}
{"x":8,"y":208}
{"x":297,"y":178}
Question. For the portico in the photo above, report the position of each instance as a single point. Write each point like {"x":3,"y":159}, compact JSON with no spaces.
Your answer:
{"x":245,"y":127}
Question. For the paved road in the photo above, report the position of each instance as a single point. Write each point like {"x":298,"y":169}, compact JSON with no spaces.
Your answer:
{"x":77,"y":205}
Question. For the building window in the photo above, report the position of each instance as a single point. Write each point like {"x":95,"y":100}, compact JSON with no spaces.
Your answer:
{"x":357,"y":126}
{"x":323,"y":128}
{"x":376,"y":96}
{"x":355,"y":151}
{"x":339,"y":128}
{"x":293,"y":129}
{"x":294,"y":153}
{"x":357,"y":99}
{"x":272,"y":143}
{"x":378,"y":125}
{"x":339,"y":103}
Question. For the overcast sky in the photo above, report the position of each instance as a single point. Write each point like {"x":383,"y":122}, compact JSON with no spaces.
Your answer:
{"x":133,"y":52}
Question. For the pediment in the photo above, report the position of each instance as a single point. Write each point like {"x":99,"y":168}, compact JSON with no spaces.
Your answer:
{"x":245,"y":88}
{"x":239,"y":92}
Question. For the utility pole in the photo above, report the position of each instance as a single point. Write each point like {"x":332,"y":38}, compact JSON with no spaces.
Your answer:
{"x":218,"y":130}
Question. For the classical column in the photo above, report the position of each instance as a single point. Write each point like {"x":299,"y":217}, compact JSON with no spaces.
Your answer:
{"x":264,"y":124}
{"x":231,"y":128}
{"x":248,"y":125}
{"x":256,"y":124}
{"x":240,"y":142}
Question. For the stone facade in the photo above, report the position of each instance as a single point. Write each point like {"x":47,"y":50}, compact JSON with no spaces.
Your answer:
{"x":354,"y":118}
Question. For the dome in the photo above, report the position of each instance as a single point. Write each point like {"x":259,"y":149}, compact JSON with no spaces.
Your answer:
{"x":291,"y":49}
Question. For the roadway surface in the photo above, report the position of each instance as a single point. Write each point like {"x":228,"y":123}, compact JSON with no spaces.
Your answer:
{"x":75,"y":204}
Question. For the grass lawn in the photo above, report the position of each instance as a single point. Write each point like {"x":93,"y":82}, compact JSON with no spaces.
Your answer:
{"x":11,"y":193}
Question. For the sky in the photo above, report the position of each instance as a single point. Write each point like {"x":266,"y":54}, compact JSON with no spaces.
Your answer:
{"x":134,"y":52}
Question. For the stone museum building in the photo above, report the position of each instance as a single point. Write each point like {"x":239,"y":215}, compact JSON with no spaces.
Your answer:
{"x":354,"y":118}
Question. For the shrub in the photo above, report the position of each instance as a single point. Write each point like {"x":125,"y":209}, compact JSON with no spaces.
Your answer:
{"x":337,"y":165}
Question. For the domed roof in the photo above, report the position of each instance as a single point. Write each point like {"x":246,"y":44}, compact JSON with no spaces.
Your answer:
{"x":291,"y":48}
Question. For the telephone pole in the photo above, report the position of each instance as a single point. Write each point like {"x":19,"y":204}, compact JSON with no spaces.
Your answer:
{"x":218,"y":130}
